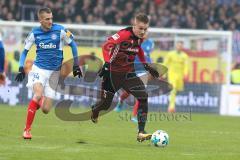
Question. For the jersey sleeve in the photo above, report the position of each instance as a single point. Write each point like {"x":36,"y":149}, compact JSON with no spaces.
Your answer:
{"x":119,"y":37}
{"x":112,"y":44}
{"x":67,"y":36}
{"x":29,"y":41}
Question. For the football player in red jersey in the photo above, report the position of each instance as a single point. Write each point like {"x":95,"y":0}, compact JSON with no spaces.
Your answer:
{"x":118,"y":72}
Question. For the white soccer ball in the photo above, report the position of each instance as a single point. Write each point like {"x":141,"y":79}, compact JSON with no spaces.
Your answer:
{"x":160,"y":138}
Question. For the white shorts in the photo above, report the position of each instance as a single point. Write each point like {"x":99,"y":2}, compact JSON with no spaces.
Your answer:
{"x":38,"y":75}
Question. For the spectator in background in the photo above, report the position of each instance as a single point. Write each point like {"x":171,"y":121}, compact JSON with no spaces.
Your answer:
{"x":217,"y":15}
{"x":10,"y":10}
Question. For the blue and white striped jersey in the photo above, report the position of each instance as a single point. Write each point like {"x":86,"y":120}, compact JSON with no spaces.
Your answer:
{"x":49,"y":46}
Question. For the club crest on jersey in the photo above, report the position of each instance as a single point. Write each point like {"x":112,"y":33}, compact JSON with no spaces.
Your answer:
{"x":53,"y":36}
{"x":47,"y":46}
{"x":115,"y":36}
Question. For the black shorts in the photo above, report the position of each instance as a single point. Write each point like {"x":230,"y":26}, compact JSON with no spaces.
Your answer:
{"x":114,"y":81}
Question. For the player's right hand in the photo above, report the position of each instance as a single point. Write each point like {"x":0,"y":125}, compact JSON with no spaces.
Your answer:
{"x":104,"y":70}
{"x":77,"y":71}
{"x":21,"y":75}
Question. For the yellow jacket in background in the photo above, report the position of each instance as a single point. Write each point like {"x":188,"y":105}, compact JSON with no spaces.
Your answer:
{"x":178,"y":65}
{"x":235,"y":76}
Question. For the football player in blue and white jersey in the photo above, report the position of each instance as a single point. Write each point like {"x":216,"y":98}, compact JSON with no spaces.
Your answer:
{"x":49,"y":39}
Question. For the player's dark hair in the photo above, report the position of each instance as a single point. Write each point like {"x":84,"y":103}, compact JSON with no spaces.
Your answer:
{"x":141,"y":17}
{"x":44,"y":10}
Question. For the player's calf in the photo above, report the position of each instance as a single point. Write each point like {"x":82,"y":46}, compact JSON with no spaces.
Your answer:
{"x":103,"y":104}
{"x":94,"y":116}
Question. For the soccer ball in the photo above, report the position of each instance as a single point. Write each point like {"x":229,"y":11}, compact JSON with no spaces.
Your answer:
{"x":160,"y":138}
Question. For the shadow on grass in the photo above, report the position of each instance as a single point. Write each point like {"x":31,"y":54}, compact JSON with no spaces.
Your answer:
{"x":81,"y":142}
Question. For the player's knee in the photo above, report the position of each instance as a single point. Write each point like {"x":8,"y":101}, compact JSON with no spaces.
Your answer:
{"x":144,"y":95}
{"x":143,"y":98}
{"x":45,"y":110}
{"x":37,"y":97}
{"x":143,"y":102}
{"x":38,"y":91}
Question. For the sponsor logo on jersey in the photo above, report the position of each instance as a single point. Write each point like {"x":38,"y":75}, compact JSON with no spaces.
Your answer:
{"x":47,"y":46}
{"x":54,"y":36}
{"x":135,"y":50}
{"x":115,"y":36}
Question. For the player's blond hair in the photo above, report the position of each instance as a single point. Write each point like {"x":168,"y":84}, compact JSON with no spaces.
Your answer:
{"x":142,"y":17}
{"x":43,"y":10}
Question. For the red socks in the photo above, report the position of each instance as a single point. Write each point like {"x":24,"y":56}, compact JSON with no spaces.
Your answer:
{"x":32,"y":108}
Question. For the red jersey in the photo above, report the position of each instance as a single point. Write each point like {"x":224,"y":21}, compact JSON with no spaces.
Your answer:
{"x":120,"y":50}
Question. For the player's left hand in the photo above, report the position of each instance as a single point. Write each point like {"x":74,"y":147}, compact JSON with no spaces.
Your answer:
{"x":21,"y":75}
{"x":151,"y":70}
{"x":104,"y":71}
{"x":77,"y":71}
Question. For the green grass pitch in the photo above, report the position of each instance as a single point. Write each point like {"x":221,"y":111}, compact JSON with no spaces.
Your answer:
{"x":201,"y":136}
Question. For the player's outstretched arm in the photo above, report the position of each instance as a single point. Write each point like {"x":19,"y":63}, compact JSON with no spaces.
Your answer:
{"x":76,"y":69}
{"x":21,"y":73}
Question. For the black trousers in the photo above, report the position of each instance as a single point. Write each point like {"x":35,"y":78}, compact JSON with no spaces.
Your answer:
{"x":114,"y":81}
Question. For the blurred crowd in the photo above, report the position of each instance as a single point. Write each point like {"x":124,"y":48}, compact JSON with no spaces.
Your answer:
{"x":193,"y":14}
